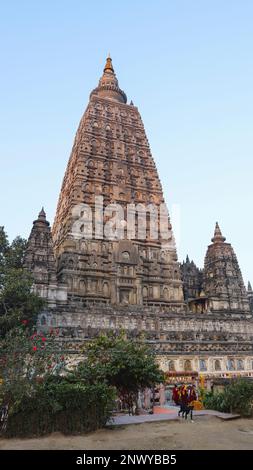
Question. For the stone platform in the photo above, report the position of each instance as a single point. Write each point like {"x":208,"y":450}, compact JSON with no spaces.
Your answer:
{"x":166,"y":415}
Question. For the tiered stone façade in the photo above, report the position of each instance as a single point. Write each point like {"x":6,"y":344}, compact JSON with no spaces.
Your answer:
{"x":222,"y":279}
{"x":40,"y":260}
{"x":111,"y":158}
{"x":100,"y":284}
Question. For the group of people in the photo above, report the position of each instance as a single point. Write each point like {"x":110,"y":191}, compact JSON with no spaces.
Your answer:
{"x":184,"y":396}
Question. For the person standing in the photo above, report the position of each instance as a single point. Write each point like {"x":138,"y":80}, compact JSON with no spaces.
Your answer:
{"x":175,"y":395}
{"x":183,"y":399}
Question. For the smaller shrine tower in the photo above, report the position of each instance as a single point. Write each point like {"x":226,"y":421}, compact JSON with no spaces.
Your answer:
{"x":40,"y":261}
{"x":250,"y":296}
{"x":222,"y":278}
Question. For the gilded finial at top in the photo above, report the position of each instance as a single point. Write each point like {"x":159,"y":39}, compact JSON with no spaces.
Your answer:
{"x":108,"y":65}
{"x":218,"y":237}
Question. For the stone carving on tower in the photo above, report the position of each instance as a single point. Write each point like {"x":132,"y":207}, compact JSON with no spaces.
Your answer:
{"x":111,"y":160}
{"x":194,"y":295}
{"x":192,"y":279}
{"x":222,"y":278}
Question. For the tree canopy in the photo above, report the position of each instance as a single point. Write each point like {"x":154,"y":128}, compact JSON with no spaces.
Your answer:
{"x":17,"y":302}
{"x":126,"y":364}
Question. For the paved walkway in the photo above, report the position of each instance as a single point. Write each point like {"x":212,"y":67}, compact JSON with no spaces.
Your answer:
{"x":170,"y":415}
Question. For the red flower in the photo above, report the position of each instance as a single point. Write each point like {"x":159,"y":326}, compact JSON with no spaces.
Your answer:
{"x":43,"y":339}
{"x":35,"y":348}
{"x":24,"y":322}
{"x":62,"y":358}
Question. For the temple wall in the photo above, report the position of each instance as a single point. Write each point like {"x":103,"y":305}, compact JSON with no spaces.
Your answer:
{"x":148,"y":320}
{"x":233,"y":365}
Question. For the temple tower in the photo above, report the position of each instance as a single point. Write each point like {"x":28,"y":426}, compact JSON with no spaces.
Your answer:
{"x":192,"y":279}
{"x":111,"y":163}
{"x":195,"y":298}
{"x":222,"y":278}
{"x":40,"y":261}
{"x":250,"y":296}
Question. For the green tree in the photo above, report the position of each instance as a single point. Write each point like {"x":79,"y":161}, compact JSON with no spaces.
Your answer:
{"x":17,"y":301}
{"x":4,"y":246}
{"x":15,"y":253}
{"x":126,"y":364}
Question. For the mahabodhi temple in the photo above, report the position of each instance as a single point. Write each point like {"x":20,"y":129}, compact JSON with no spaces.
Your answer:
{"x":197,"y":320}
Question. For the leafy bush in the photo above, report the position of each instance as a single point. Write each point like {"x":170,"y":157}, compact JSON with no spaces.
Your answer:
{"x":216,"y":401}
{"x":125,"y":364}
{"x":59,"y":405}
{"x":237,"y":397}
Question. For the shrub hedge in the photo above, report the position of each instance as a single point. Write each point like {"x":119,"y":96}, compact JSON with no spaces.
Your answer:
{"x":61,"y":406}
{"x":237,"y":397}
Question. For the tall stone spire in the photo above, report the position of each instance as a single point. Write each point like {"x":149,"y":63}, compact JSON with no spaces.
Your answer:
{"x":39,"y":255}
{"x":250,"y":296}
{"x":111,"y":158}
{"x":218,"y":237}
{"x":108,"y":86}
{"x":222,"y":278}
{"x":40,"y":261}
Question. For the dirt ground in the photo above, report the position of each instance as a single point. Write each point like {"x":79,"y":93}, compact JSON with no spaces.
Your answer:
{"x":204,"y":433}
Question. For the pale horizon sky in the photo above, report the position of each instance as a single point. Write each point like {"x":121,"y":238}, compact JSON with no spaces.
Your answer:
{"x":188,"y":67}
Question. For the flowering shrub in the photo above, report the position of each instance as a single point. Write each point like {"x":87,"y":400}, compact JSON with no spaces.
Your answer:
{"x":26,"y":355}
{"x":40,"y":399}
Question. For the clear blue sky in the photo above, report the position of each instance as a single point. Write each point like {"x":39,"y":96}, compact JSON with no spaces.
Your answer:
{"x":187,"y":65}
